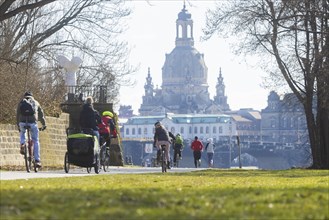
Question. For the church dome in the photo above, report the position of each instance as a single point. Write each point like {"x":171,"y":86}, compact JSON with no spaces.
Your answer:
{"x":182,"y":64}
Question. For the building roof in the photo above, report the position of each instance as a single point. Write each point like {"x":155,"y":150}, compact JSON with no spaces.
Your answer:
{"x":181,"y":119}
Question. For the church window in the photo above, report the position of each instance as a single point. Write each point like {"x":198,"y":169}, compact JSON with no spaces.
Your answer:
{"x":189,"y":31}
{"x":139,"y":131}
{"x":195,"y":130}
{"x":127,"y":131}
{"x":133,"y":131}
{"x":201,"y":130}
{"x":182,"y":130}
{"x":207,"y":130}
{"x":180,"y":31}
{"x":214,"y":130}
{"x":272,"y":122}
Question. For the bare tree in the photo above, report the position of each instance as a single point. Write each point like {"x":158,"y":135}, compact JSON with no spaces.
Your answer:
{"x":34,"y":32}
{"x":296,"y":34}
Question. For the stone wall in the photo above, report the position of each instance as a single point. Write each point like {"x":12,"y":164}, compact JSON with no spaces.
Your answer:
{"x":52,"y":142}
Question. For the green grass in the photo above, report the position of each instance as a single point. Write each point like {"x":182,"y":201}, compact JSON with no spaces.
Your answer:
{"x":211,"y":194}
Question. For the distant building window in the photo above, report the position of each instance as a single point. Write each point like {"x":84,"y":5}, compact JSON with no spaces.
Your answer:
{"x":284,"y":122}
{"x":272,"y":121}
{"x":139,"y":131}
{"x":190,"y":130}
{"x":207,"y":130}
{"x":214,"y":130}
{"x":127,"y":131}
{"x":133,"y":131}
{"x":201,"y":130}
{"x":145,"y":131}
{"x":182,"y":130}
{"x":220,"y":130}
{"x":292,"y":122}
{"x":195,"y":130}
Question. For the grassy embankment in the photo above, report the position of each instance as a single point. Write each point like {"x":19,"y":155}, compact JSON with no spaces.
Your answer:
{"x":211,"y":194}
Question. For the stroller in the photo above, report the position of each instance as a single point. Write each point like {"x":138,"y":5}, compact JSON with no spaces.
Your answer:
{"x":82,"y":150}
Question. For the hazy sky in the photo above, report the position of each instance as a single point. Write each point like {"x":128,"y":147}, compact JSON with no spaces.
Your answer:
{"x":151,"y":35}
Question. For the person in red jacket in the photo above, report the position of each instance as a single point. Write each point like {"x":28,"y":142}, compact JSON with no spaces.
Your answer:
{"x":106,"y":127}
{"x":197,"y":148}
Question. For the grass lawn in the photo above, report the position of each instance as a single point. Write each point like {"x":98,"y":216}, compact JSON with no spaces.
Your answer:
{"x":210,"y":194}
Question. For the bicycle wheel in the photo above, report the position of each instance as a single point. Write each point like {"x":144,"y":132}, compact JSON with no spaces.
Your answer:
{"x":163,"y":163}
{"x":35,"y":167}
{"x":66,"y":163}
{"x":177,"y":160}
{"x":106,"y":160}
{"x":27,"y":158}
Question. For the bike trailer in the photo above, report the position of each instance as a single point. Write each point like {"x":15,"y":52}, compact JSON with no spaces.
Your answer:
{"x":82,"y":149}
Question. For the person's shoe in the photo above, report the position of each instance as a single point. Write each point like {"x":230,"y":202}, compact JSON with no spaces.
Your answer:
{"x":180,"y":158}
{"x":199,"y":163}
{"x":22,"y":150}
{"x":168,"y":166}
{"x":38,"y":164}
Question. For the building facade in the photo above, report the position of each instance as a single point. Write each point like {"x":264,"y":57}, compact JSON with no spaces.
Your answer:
{"x":184,"y":88}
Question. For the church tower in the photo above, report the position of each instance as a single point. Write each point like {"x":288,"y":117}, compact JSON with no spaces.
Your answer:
{"x":220,"y":99}
{"x":184,"y":88}
{"x":184,"y":73}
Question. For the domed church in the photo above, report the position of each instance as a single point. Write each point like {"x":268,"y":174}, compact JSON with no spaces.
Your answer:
{"x":184,"y":87}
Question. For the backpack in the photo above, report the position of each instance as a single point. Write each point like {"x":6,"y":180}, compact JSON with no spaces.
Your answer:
{"x":27,"y":107}
{"x":178,"y":140}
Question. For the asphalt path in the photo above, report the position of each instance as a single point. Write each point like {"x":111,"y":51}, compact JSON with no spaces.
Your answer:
{"x":14,"y":175}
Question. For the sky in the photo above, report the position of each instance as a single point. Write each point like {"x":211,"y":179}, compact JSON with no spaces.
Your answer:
{"x":151,"y":34}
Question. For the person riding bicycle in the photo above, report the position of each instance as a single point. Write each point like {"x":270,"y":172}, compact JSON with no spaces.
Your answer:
{"x":107,"y":127}
{"x":28,"y":113}
{"x":178,"y":147}
{"x":161,"y":137}
{"x":89,"y":117}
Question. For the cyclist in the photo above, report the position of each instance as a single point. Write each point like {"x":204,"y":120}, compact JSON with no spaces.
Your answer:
{"x":106,"y":127}
{"x":197,"y":147}
{"x":161,"y":137}
{"x":89,"y":117}
{"x":29,"y":112}
{"x":178,"y":147}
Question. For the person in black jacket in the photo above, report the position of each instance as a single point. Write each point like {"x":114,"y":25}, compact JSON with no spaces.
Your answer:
{"x":162,"y":137}
{"x":89,"y":117}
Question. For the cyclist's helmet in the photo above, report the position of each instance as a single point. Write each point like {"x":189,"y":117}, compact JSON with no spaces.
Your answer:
{"x":28,"y":94}
{"x":108,"y":113}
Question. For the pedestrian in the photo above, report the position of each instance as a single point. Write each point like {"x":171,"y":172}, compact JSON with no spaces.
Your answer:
{"x":197,"y":148}
{"x":210,"y":148}
{"x":28,"y":113}
{"x":90,"y":118}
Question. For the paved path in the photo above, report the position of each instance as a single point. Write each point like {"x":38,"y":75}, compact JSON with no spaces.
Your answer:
{"x":13,"y":175}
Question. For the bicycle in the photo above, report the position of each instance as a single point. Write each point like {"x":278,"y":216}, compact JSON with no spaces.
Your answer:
{"x":29,"y":151}
{"x":176,"y":158}
{"x":105,"y":157}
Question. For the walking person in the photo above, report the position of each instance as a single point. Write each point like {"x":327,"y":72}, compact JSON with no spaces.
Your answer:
{"x":210,"y":149}
{"x":197,"y":148}
{"x":28,"y":113}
